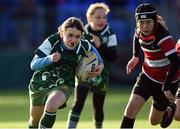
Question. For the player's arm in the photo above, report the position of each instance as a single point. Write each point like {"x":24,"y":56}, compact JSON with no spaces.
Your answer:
{"x":42,"y":56}
{"x":167,"y":46}
{"x":39,"y":62}
{"x":136,"y":46}
{"x":173,"y":58}
{"x":174,"y":61}
{"x":95,"y":40}
{"x":169,"y":50}
{"x":135,"y":58}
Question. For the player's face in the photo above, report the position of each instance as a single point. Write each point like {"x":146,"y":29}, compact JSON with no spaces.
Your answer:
{"x":98,"y":20}
{"x":71,"y":37}
{"x":146,"y":26}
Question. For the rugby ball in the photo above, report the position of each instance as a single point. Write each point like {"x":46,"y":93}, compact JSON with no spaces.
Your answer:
{"x":86,"y":64}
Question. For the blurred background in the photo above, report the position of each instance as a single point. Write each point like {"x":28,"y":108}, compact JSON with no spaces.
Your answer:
{"x":24,"y":24}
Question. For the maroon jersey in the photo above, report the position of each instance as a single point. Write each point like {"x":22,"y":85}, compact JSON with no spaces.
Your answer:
{"x":156,"y":48}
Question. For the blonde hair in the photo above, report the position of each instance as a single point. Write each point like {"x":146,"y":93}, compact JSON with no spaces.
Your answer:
{"x":93,"y":7}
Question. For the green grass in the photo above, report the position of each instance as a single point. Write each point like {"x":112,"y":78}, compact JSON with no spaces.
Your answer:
{"x":14,"y":111}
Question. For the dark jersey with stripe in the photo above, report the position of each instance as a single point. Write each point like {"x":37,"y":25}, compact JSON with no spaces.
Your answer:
{"x":156,"y":51}
{"x":63,"y":71}
{"x":108,"y":39}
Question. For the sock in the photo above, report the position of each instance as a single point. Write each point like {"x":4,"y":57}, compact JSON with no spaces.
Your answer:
{"x":73,"y":119}
{"x":127,"y":123}
{"x":98,"y":125}
{"x":47,"y":120}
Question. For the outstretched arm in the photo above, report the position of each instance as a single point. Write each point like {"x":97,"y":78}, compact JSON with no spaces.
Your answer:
{"x":39,"y":62}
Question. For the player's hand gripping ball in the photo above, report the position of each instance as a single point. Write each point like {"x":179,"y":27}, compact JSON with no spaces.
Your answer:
{"x":87,"y":64}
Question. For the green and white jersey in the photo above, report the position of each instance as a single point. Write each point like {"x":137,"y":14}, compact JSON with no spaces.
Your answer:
{"x":61,"y":72}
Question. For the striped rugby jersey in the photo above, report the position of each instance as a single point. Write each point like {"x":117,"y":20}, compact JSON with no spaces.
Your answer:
{"x":156,"y":49}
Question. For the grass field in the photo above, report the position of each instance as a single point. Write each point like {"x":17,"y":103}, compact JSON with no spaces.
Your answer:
{"x":14,"y":111}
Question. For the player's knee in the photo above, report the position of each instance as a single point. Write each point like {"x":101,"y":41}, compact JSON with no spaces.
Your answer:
{"x":130,"y":112}
{"x":51,"y":108}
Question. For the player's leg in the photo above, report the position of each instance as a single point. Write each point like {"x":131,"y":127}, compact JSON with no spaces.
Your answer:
{"x":140,"y":94}
{"x":35,"y":115}
{"x":80,"y":94}
{"x":170,"y":108}
{"x":155,"y":116}
{"x":55,"y":99}
{"x":99,"y":86}
{"x":37,"y":100}
{"x":168,"y":115}
{"x":160,"y":102}
{"x":98,"y":104}
{"x":177,"y":113}
{"x":132,"y":109}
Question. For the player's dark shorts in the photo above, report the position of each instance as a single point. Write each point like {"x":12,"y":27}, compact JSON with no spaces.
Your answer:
{"x":145,"y":88}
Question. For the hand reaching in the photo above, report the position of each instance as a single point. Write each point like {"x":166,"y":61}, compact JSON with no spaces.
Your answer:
{"x":95,"y":39}
{"x":131,"y":64}
{"x":169,"y":95}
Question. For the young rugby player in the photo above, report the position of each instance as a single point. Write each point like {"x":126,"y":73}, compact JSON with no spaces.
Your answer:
{"x":170,"y":112}
{"x":159,"y":76}
{"x":98,"y":32}
{"x":54,"y":63}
